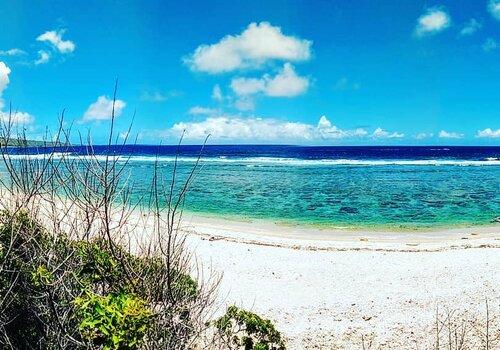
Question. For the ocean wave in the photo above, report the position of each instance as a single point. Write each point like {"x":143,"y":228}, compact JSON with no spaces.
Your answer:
{"x":269,"y":161}
{"x":354,"y":162}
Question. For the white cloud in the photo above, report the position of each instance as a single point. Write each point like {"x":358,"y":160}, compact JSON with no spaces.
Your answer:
{"x":43,"y":57}
{"x":284,"y":84}
{"x":423,"y":135}
{"x":12,"y":52}
{"x":102,"y":109}
{"x":329,"y":131}
{"x":197,"y":110}
{"x":434,"y":20}
{"x":257,"y":44}
{"x":489,"y":45}
{"x":380,"y":133}
{"x":450,"y":135}
{"x":488,"y":133}
{"x":494,"y":8}
{"x":470,"y":27}
{"x":237,"y":128}
{"x":4,"y":80}
{"x":217,"y":93}
{"x":17,"y":118}
{"x":14,"y":117}
{"x":54,"y":38}
{"x":248,"y":86}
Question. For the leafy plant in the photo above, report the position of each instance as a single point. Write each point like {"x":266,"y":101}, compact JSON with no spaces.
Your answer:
{"x":41,"y":276}
{"x":244,"y":329}
{"x":97,"y":264}
{"x":113,"y":321}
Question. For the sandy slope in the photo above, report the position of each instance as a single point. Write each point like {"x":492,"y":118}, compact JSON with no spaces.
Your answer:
{"x":327,"y":293}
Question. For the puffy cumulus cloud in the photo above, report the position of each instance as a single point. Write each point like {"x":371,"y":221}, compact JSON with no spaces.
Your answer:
{"x":380,"y":133}
{"x":197,"y":110}
{"x":102,"y":109}
{"x":14,"y":117}
{"x":489,"y":45}
{"x":434,"y":20}
{"x":54,"y":38}
{"x":494,"y":8}
{"x":329,"y":131}
{"x":488,"y":133}
{"x":470,"y":27}
{"x":43,"y":57}
{"x":237,"y":128}
{"x":286,"y":83}
{"x":449,"y":135}
{"x":257,"y":44}
{"x":248,"y":86}
{"x":12,"y":52}
{"x":4,"y":80}
{"x":17,"y":118}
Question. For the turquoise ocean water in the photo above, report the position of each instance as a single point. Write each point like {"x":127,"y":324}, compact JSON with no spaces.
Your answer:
{"x":353,"y":187}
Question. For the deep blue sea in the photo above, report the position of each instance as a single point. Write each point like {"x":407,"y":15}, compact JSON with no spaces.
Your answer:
{"x":397,"y":187}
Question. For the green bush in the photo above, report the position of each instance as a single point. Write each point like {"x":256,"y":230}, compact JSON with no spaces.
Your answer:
{"x":61,"y":293}
{"x":244,"y":329}
{"x":114,"y":321}
{"x":96,"y":264}
{"x":21,"y":274}
{"x":40,"y":275}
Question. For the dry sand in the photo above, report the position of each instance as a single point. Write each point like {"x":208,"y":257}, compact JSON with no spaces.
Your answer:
{"x":331,"y":289}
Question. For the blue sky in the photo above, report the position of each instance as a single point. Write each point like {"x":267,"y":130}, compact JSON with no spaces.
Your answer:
{"x":298,"y":72}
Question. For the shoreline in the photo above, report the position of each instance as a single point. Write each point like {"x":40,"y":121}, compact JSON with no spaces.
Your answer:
{"x":342,"y":227}
{"x":258,"y":232}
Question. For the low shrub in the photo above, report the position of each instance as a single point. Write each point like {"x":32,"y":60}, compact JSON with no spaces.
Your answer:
{"x":113,"y":321}
{"x":243,"y":329}
{"x":56,"y":292}
{"x":67,"y":294}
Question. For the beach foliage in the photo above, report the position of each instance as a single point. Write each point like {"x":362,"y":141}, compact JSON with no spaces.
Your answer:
{"x":114,"y":321}
{"x":243,"y":329}
{"x":59,"y":291}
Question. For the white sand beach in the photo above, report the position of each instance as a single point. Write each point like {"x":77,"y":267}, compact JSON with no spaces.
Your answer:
{"x":338,"y":289}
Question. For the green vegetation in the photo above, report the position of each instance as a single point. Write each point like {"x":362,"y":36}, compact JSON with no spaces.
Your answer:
{"x":44,"y":277}
{"x":244,"y":329}
{"x":19,"y":142}
{"x":61,"y":293}
{"x":114,"y":321}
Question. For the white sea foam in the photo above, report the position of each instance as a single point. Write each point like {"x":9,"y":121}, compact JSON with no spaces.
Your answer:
{"x":272,"y":161}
